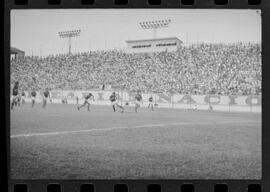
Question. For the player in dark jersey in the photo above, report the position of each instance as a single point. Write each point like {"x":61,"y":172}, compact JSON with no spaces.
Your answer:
{"x":46,"y":96}
{"x":77,"y":100}
{"x":33,"y":97}
{"x":210,"y":108}
{"x":87,"y":101}
{"x":114,"y":102}
{"x":138,"y":100}
{"x":151,"y":103}
{"x":64,"y":100}
{"x":15,"y":93}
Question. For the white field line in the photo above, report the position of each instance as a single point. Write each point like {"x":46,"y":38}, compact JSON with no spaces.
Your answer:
{"x":94,"y":130}
{"x":111,"y":128}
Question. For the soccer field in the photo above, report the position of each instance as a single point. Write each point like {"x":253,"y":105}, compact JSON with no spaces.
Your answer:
{"x":60,"y":142}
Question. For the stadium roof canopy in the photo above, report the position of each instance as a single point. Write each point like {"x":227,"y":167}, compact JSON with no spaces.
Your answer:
{"x":156,"y":39}
{"x":14,"y":50}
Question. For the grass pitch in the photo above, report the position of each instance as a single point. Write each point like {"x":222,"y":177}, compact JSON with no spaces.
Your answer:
{"x":60,"y":142}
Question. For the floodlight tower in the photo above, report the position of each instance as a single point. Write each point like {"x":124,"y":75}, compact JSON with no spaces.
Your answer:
{"x":69,"y":35}
{"x":157,"y":24}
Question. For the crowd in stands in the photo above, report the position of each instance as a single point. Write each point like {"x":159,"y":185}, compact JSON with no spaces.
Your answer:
{"x":195,"y":69}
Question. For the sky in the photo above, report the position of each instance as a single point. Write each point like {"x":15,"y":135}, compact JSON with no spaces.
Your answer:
{"x":36,"y":31}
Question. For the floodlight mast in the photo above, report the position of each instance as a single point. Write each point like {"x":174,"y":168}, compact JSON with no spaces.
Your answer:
{"x":157,"y":24}
{"x":69,"y":35}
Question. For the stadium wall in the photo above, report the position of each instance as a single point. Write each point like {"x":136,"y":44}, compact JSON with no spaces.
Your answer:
{"x":250,"y":103}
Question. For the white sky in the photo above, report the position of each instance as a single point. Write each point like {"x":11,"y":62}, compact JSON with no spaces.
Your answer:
{"x":36,"y":31}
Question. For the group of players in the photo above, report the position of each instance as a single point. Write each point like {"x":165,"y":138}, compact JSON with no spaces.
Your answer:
{"x":18,"y":98}
{"x":114,"y":102}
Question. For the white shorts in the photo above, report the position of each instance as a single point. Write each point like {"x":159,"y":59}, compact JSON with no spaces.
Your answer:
{"x":14,"y":97}
{"x":137,"y":102}
{"x":33,"y":98}
{"x":114,"y":103}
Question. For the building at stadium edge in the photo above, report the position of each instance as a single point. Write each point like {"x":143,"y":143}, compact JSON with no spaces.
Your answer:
{"x":153,"y":45}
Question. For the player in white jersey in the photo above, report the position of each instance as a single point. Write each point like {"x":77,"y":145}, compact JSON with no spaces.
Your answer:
{"x":151,"y":105}
{"x":138,"y":100}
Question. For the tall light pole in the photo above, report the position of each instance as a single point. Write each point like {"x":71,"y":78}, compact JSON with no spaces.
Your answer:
{"x":154,"y":25}
{"x":157,"y":24}
{"x":69,"y":35}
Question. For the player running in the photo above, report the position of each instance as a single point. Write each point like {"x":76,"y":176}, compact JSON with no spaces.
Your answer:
{"x":138,"y":100}
{"x":15,"y":93}
{"x":87,"y":101}
{"x":151,"y":103}
{"x":114,"y":102}
{"x":46,"y":96}
{"x":33,"y":97}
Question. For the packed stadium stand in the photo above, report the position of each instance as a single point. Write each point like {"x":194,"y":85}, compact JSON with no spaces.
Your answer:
{"x":195,"y":69}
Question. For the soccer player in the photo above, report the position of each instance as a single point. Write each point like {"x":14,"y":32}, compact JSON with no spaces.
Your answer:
{"x":77,"y":100}
{"x":15,"y":93}
{"x":23,"y":97}
{"x":138,"y":100}
{"x":33,"y":97}
{"x":114,"y":102}
{"x":19,"y":100}
{"x":46,"y":96}
{"x":210,"y":108}
{"x":195,"y":108}
{"x":151,"y":103}
{"x":87,"y":101}
{"x":64,"y":100}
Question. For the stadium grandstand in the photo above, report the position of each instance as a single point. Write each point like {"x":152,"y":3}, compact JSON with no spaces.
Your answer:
{"x":225,"y":69}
